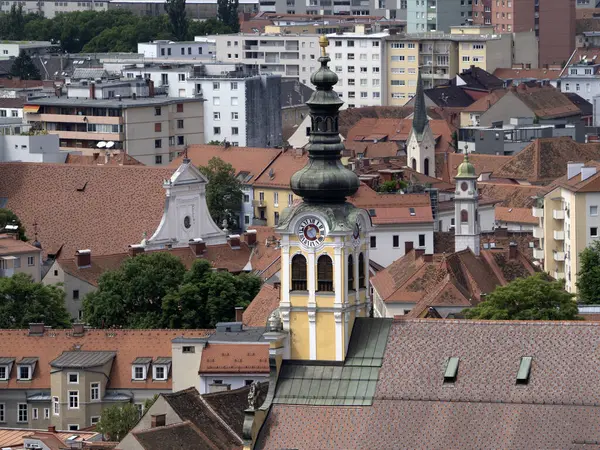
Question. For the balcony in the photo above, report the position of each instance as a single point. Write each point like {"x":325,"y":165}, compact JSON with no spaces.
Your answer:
{"x":559,"y":235}
{"x":537,"y":212}
{"x":88,"y":135}
{"x":558,"y":275}
{"x":558,"y":214}
{"x":538,"y":253}
{"x":73,"y":118}
{"x":538,"y":232}
{"x":257,"y":221}
{"x":559,"y":256}
{"x":260,"y":203}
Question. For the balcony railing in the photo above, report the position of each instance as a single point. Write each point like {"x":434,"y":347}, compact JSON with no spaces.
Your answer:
{"x":559,"y":235}
{"x":558,"y":214}
{"x":559,"y":256}
{"x":537,"y":212}
{"x":260,"y":203}
{"x":538,"y":232}
{"x":538,"y":253}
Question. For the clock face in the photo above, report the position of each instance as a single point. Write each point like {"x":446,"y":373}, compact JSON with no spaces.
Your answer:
{"x":356,"y":233}
{"x":311,"y":232}
{"x":464,"y":186}
{"x":187,"y":222}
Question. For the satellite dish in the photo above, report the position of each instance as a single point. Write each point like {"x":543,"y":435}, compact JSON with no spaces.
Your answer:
{"x":110,"y":144}
{"x":101,"y":144}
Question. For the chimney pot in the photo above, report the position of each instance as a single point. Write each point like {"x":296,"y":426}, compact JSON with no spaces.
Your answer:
{"x":136,"y":249}
{"x":83,"y":258}
{"x":239,"y":312}
{"x":198,"y":246}
{"x":251,"y":237}
{"x":234,"y":241}
{"x":78,"y":329}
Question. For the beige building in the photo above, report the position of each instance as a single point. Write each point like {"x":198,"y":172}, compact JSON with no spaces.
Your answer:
{"x":17,"y":256}
{"x":569,"y":221}
{"x":153,"y":130}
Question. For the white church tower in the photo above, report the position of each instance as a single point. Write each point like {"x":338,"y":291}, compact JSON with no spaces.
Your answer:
{"x":420,"y":146}
{"x":466,"y":208}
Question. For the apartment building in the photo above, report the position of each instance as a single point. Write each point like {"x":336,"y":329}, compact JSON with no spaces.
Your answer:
{"x":581,"y":74}
{"x":391,"y":9}
{"x":17,"y":256}
{"x":153,"y":130}
{"x":199,"y":49}
{"x":322,"y":24}
{"x":568,"y":221}
{"x":552,"y":20}
{"x":65,"y":378}
{"x":437,"y":15}
{"x":194,"y":9}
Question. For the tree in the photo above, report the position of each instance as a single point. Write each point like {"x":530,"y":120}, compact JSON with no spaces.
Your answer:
{"x":132,"y":295}
{"x":24,"y":68}
{"x":391,"y":186}
{"x":23,"y":301}
{"x":227,"y":12}
{"x":588,"y":281}
{"x":223,"y":193}
{"x":178,"y":21}
{"x":7,"y":217}
{"x":118,"y":420}
{"x":12,"y":25}
{"x":533,"y":298}
{"x":206,"y":27}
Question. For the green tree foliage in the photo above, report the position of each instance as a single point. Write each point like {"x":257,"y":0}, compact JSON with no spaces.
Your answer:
{"x":12,"y":24}
{"x":533,"y":298}
{"x":588,"y":281}
{"x":118,"y":420}
{"x":391,"y":186}
{"x":227,"y":12}
{"x":7,"y":217}
{"x":24,"y":68}
{"x":178,"y":22}
{"x":23,"y":301}
{"x":223,"y":193}
{"x":206,"y":27}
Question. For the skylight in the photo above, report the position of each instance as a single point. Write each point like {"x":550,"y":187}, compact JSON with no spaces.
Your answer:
{"x":451,"y":370}
{"x":524,"y":370}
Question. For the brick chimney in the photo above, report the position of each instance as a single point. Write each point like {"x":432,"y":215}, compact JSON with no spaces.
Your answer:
{"x":239,"y":312}
{"x":428,"y":258}
{"x":197,"y":246}
{"x":419,"y":252}
{"x":136,"y":249}
{"x":251,"y":238}
{"x":51,"y":429}
{"x":408,"y":246}
{"x":512,"y":250}
{"x":234,"y":241}
{"x":36,"y":329}
{"x":158,"y":420}
{"x":78,"y":329}
{"x":92,"y":90}
{"x":83,"y":258}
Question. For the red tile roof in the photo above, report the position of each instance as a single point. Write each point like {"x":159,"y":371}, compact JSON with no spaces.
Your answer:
{"x":119,"y":159}
{"x":261,"y":307}
{"x":235,"y":358}
{"x":11,"y":246}
{"x":482,"y":163}
{"x":13,"y":437}
{"x":281,"y":170}
{"x":515,"y":215}
{"x":485,"y":102}
{"x":511,"y":195}
{"x":537,"y":74}
{"x":576,"y":184}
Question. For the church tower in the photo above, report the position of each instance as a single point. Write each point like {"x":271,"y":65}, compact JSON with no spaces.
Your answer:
{"x":324,"y":244}
{"x":420,"y":146}
{"x":466,"y":211}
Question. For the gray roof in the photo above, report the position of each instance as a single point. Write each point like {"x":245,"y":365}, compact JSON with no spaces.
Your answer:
{"x":249,"y":334}
{"x":29,"y":360}
{"x":351,"y":383}
{"x":5,"y":361}
{"x":82,"y":359}
{"x":39,"y":397}
{"x":294,"y":93}
{"x":162,"y":360}
{"x":190,"y":340}
{"x":420,"y":119}
{"x":111,"y":103}
{"x":116,"y":397}
{"x":84,"y":72}
{"x":142,"y":360}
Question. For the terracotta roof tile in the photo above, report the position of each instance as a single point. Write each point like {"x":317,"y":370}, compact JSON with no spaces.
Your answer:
{"x":178,"y":435}
{"x":576,"y":184}
{"x":119,"y":159}
{"x":265,"y":302}
{"x":482,"y":163}
{"x":117,"y":205}
{"x":235,"y":358}
{"x":515,"y":215}
{"x":266,"y":252}
{"x":546,"y":102}
{"x":486,"y":102}
{"x":511,"y":195}
{"x":11,"y":102}
{"x":282,"y":170}
{"x":128,"y":344}
{"x":13,"y":437}
{"x":10,"y":246}
{"x":366,"y":197}
{"x":519,"y":74}
{"x":16,"y":83}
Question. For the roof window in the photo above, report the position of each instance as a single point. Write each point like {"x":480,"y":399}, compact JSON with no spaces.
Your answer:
{"x":524,"y":370}
{"x":451,"y":370}
{"x":412,"y":211}
{"x":25,"y":369}
{"x":139,"y":369}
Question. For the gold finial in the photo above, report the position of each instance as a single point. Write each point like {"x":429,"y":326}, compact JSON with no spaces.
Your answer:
{"x":323,"y":43}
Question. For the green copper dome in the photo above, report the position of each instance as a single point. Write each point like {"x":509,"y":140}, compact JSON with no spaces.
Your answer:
{"x":466,"y":169}
{"x":324,"y":179}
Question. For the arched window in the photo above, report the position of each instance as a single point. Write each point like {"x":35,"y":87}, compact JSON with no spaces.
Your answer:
{"x":361,"y":271}
{"x":414,"y":164}
{"x":324,"y":274}
{"x":426,"y":166}
{"x":464,"y":216}
{"x":350,"y":273}
{"x":298,"y":273}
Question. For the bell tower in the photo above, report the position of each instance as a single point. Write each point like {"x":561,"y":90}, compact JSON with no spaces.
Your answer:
{"x":466,"y":208}
{"x":420,"y":145}
{"x":324,"y":245}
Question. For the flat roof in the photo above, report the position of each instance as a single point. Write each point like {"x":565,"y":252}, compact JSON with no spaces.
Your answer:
{"x":440,"y":36}
{"x":112,"y":103}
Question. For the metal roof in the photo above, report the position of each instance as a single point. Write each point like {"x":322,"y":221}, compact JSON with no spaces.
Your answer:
{"x":162,"y":360}
{"x":116,"y":397}
{"x":351,"y":383}
{"x":5,"y":361}
{"x":82,"y":359}
{"x":29,"y":360}
{"x":248,"y":334}
{"x":39,"y":397}
{"x":142,"y":360}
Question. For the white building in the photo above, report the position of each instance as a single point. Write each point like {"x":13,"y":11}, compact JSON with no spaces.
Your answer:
{"x":581,"y":74}
{"x":25,"y":148}
{"x":12,"y":49}
{"x":195,"y":50}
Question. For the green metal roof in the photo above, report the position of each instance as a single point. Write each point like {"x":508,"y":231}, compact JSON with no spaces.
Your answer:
{"x":351,"y":383}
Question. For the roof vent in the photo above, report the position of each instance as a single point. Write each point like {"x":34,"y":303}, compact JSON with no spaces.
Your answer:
{"x":451,"y":370}
{"x":524,"y":370}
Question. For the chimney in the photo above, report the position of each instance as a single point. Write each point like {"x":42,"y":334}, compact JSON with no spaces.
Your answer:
{"x":299,"y":152}
{"x":36,"y":329}
{"x":419,"y":252}
{"x":158,"y":420}
{"x":574,"y":169}
{"x":150,"y":88}
{"x":239,"y":312}
{"x":501,"y":232}
{"x":408,"y":246}
{"x":51,"y":429}
{"x":106,"y":157}
{"x":587,"y":172}
{"x":96,"y":155}
{"x":92,"y":90}
{"x":197,"y":246}
{"x":78,"y":329}
{"x":83,"y":258}
{"x":136,"y":249}
{"x":251,"y":238}
{"x":512,"y":250}
{"x":428,"y":258}
{"x":234,"y":241}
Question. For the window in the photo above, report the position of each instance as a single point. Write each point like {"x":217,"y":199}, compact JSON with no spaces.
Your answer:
{"x":94,"y":420}
{"x":298,"y":273}
{"x":234,"y":101}
{"x":30,"y":261}
{"x":14,"y":113}
{"x":46,"y":413}
{"x":157,"y":143}
{"x":373,"y":243}
{"x":158,"y":159}
{"x":234,"y":116}
{"x":235,"y":131}
{"x":95,"y":391}
{"x":216,"y":101}
{"x":464,"y":216}
{"x":361,"y":271}
{"x":73,"y":378}
{"x":181,"y":76}
{"x":246,"y":198}
{"x":524,"y":370}
{"x":34,"y":414}
{"x":234,"y":85}
{"x":75,"y":294}
{"x":3,"y":373}
{"x":158,"y":111}
{"x":22,"y":413}
{"x":324,"y":274}
{"x":180,"y":123}
{"x":247,"y":219}
{"x":73,"y":399}
{"x":276,"y":198}
{"x":276,"y":218}
{"x":594,"y":231}
{"x":139,"y":373}
{"x":73,"y":427}
{"x":216,"y":116}
{"x":290,"y":199}
{"x":350,"y":273}
{"x":2,"y":412}
{"x":451,"y":370}
{"x":593,"y":210}
{"x":55,"y":406}
{"x":216,"y":85}
{"x":160,"y":372}
{"x":216,"y":130}
{"x":188,"y":349}
{"x":395,"y":241}
{"x":17,"y":262}
{"x":421,"y":240}
{"x":24,"y":373}
{"x":179,"y":107}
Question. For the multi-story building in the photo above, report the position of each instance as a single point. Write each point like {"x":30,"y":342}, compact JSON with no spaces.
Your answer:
{"x":200,"y":49}
{"x":569,"y":221}
{"x":17,"y":256}
{"x":581,"y":74}
{"x":391,"y":9}
{"x":194,"y":9}
{"x":322,"y":24}
{"x":153,"y":130}
{"x":437,"y":15}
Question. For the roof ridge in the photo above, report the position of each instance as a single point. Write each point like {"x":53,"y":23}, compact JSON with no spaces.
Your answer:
{"x":476,"y":322}
{"x":220,"y":419}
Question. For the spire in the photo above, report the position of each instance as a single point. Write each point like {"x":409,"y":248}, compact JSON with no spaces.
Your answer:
{"x":420,"y":119}
{"x":466,"y":169}
{"x":324,"y":179}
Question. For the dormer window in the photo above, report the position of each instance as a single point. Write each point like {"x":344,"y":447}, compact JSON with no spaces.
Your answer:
{"x":24,"y":373}
{"x":5,"y":368}
{"x":160,"y":373}
{"x":160,"y":368}
{"x":25,"y":369}
{"x":3,"y":373}
{"x":139,"y":369}
{"x":139,"y":373}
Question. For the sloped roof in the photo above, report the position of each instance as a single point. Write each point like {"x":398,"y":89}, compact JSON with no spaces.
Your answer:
{"x":511,"y":195}
{"x":577,"y":184}
{"x":11,"y":246}
{"x":482,"y":163}
{"x":280,"y":172}
{"x":81,"y":359}
{"x":586,"y":108}
{"x":545,"y":160}
{"x":13,"y":437}
{"x":449,"y":96}
{"x":477,"y":78}
{"x":520,"y":74}
{"x":265,"y":302}
{"x":294,"y":93}
{"x":109,"y":207}
{"x":546,"y":102}
{"x":183,"y":435}
{"x":486,"y":102}
{"x":515,"y":215}
{"x":235,"y":358}
{"x":12,"y":102}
